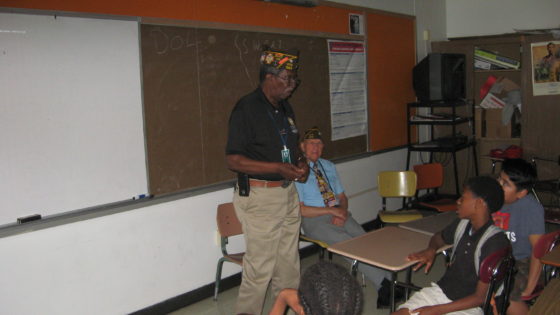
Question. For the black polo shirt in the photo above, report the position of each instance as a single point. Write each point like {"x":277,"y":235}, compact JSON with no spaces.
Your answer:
{"x":257,"y":130}
{"x":460,"y":278}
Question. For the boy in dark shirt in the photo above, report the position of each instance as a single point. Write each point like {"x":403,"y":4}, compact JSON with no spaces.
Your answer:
{"x":459,"y":291}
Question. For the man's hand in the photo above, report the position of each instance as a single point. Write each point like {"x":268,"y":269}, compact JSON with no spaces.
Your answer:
{"x":302,"y":164}
{"x":425,"y":257}
{"x":286,"y":297}
{"x":339,"y":216}
{"x":291,"y":172}
{"x":292,"y":299}
{"x":427,"y":310}
{"x":338,"y":221}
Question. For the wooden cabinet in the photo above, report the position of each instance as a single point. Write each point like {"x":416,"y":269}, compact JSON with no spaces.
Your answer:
{"x":509,"y":46}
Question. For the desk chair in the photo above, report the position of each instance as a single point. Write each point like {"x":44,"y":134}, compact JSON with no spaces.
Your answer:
{"x":544,"y":245}
{"x":495,"y":269}
{"x":228,"y":225}
{"x":551,"y":188}
{"x":322,"y":245}
{"x":397,"y":184}
{"x":430,"y":178}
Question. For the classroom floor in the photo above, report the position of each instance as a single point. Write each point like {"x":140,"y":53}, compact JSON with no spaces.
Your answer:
{"x":226,"y":300}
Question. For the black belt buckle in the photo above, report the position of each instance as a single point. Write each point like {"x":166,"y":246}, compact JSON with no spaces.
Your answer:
{"x":286,"y":183}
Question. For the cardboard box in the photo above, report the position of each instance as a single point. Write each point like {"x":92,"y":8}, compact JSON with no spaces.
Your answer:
{"x":507,"y":84}
{"x":492,"y":101}
{"x":493,"y":126}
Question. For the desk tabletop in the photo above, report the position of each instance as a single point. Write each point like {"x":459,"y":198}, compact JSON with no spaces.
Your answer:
{"x":386,"y":248}
{"x":432,"y":224}
{"x":552,"y":258}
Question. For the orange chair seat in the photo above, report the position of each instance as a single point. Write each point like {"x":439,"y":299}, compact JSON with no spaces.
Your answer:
{"x":442,"y":205}
{"x":430,"y":178}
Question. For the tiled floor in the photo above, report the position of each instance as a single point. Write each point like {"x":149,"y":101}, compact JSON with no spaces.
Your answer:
{"x":226,"y":300}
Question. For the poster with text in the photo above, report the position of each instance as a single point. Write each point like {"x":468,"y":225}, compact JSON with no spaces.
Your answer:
{"x":545,"y":57}
{"x":348,"y":93}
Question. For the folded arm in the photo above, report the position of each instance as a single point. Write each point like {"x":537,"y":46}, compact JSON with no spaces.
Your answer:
{"x":340,"y":213}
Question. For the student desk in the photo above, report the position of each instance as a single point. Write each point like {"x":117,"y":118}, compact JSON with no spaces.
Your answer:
{"x":386,"y":248}
{"x":552,"y":258}
{"x":432,"y":224}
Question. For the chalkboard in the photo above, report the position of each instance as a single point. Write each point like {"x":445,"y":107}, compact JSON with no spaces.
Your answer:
{"x":71,"y":133}
{"x":193,"y":77}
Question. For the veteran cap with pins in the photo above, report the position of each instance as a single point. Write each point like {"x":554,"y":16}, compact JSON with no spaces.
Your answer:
{"x":312,"y":133}
{"x":280,"y":59}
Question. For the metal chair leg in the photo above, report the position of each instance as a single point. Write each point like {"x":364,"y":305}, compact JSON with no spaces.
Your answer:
{"x":321,"y":253}
{"x":354,"y":271}
{"x":354,"y":268}
{"x":218,"y":277}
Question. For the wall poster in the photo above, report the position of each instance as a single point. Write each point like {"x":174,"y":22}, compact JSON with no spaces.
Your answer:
{"x":545,"y":57}
{"x":348,"y":89}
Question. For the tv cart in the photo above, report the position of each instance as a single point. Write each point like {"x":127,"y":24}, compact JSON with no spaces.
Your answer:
{"x":452,"y":143}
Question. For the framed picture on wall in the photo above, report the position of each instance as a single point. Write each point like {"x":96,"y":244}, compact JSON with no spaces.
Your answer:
{"x":356,"y":24}
{"x":545,"y":57}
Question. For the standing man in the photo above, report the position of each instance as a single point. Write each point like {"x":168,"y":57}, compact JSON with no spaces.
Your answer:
{"x":324,"y":208}
{"x":263,"y":149}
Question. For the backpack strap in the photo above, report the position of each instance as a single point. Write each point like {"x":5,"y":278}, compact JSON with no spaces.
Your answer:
{"x":490,"y":231}
{"x":460,"y":230}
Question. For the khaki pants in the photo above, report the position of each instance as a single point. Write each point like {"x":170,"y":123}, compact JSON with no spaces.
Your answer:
{"x":271,"y":221}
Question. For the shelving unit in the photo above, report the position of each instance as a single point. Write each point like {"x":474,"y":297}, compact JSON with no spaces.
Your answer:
{"x":506,"y":45}
{"x":452,"y":143}
{"x":538,"y":125}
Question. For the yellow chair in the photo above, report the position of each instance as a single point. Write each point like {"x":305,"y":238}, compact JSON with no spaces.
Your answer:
{"x":322,"y":245}
{"x":397,"y":184}
{"x":228,"y":225}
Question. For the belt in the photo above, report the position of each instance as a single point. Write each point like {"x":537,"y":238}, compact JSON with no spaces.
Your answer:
{"x":265,"y":183}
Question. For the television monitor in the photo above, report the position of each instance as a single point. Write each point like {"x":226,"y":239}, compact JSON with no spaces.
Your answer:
{"x":439,"y":77}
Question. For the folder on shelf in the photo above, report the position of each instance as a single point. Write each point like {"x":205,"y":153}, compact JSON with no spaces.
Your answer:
{"x":485,"y":65}
{"x":495,"y":59}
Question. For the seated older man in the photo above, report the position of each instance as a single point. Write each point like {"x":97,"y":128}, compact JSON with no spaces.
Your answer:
{"x":324,"y":208}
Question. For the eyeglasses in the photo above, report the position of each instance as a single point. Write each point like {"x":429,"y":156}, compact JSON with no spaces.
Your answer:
{"x":290,"y":80}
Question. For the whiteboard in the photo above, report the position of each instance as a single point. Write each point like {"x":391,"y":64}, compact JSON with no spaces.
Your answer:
{"x":71,"y":124}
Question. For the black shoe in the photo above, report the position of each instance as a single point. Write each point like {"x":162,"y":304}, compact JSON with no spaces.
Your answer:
{"x":384,"y":294}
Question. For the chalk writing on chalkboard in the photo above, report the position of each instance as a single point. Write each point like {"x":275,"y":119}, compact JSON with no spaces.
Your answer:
{"x":193,"y":78}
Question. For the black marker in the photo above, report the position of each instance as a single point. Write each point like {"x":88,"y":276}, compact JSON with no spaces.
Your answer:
{"x":142,"y":196}
{"x":29,"y":218}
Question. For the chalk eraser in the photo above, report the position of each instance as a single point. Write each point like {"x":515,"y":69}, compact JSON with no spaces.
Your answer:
{"x":29,"y":218}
